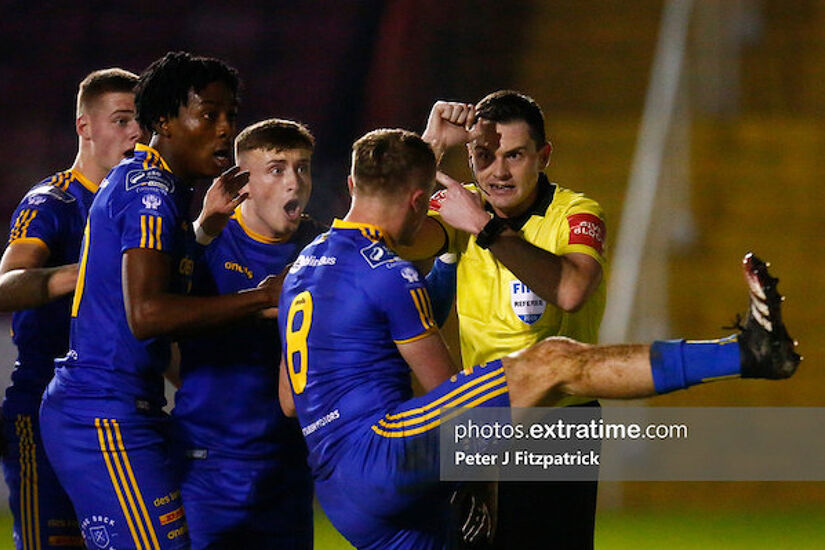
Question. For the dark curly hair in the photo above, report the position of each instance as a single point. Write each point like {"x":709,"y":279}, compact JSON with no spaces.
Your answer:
{"x":164,"y":86}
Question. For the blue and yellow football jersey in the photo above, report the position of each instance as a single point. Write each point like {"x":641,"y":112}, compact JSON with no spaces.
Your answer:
{"x":346,"y":303}
{"x":52,"y":214}
{"x":140,"y":204}
{"x":373,"y":449}
{"x":243,"y":357}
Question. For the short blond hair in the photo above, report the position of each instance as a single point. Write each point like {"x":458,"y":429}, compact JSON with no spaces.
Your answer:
{"x":102,"y":82}
{"x":385,"y":161}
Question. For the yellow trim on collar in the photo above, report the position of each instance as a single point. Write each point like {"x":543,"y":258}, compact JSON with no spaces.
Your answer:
{"x":151,"y":150}
{"x":254,"y":235}
{"x":84,"y":181}
{"x":368,"y":230}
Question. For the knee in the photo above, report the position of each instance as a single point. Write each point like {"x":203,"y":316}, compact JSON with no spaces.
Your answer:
{"x":542,"y":370}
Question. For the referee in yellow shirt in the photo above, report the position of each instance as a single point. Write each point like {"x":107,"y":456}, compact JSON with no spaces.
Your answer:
{"x":530,"y":265}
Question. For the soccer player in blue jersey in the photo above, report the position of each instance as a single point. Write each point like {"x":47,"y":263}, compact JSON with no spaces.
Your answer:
{"x":101,"y":418}
{"x":37,"y":273}
{"x":355,"y":319}
{"x":246,"y":483}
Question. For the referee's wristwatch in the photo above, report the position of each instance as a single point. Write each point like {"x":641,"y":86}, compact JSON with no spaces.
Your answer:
{"x":490,"y":232}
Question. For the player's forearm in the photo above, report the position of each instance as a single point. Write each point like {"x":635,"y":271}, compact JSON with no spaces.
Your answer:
{"x":176,"y":316}
{"x":556,"y":279}
{"x":28,"y":288}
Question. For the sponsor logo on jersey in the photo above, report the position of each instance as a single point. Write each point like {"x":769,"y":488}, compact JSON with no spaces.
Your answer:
{"x":377,"y":254}
{"x":151,"y":201}
{"x":36,"y":200}
{"x":311,"y":261}
{"x":152,"y":178}
{"x":586,"y":229}
{"x":321,"y":422}
{"x":39,"y":194}
{"x":527,"y":305}
{"x":410,"y":274}
{"x":235,"y":266}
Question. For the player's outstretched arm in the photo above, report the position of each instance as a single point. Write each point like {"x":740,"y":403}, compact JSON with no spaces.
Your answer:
{"x":542,"y":374}
{"x":25,"y":283}
{"x":151,"y":310}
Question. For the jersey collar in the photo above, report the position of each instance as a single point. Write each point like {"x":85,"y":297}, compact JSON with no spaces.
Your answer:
{"x":84,"y":181}
{"x":546,"y":191}
{"x":368,"y":230}
{"x":254,"y":235}
{"x":152,"y":157}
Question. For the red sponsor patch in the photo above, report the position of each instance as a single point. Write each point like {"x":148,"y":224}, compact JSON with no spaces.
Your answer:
{"x":587,"y":229}
{"x":437,"y":199}
{"x":174,"y":515}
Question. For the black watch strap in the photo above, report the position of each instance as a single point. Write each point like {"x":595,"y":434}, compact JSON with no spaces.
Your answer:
{"x":490,"y":232}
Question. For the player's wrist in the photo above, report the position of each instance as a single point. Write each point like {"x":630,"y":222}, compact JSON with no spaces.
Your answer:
{"x":437,"y":146}
{"x":203,"y":235}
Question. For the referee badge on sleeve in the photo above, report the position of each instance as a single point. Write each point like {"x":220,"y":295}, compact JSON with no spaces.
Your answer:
{"x":527,"y":305}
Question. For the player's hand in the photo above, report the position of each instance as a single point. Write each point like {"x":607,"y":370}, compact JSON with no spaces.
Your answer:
{"x":475,"y":506}
{"x":449,"y":124}
{"x":221,"y":199}
{"x":272,"y":286}
{"x":460,"y":207}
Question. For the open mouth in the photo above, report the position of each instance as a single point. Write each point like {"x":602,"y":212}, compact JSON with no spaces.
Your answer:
{"x":223,"y":157}
{"x":293,"y":209}
{"x":500,"y":188}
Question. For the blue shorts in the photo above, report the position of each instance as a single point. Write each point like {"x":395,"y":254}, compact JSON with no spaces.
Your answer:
{"x":244,"y":504}
{"x":383,"y":491}
{"x":43,"y":514}
{"x":116,"y":466}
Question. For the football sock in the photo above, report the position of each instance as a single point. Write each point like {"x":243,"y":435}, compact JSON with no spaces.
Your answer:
{"x":678,"y":364}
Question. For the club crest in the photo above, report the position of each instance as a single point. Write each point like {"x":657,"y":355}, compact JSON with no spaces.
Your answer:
{"x":151,"y":201}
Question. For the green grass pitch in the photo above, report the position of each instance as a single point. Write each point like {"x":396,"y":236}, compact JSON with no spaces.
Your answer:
{"x":646,"y":530}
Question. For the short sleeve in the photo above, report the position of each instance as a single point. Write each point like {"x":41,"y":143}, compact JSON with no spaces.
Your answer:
{"x":400,"y":293}
{"x":40,"y":217}
{"x":583,"y":230}
{"x":148,"y":219}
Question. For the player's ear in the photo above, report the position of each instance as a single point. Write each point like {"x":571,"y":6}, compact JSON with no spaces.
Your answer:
{"x":162,"y":127}
{"x":419,"y":199}
{"x":350,"y":184}
{"x":544,"y":155}
{"x":82,"y":127}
